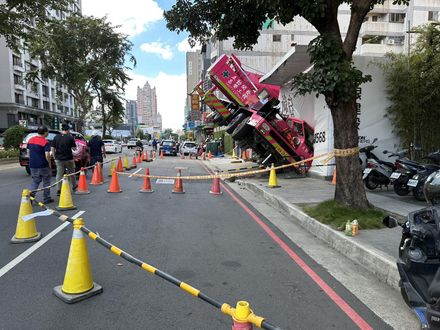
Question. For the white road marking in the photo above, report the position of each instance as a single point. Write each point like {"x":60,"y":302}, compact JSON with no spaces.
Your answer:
{"x":135,"y":172}
{"x":32,"y":249}
{"x":80,"y":213}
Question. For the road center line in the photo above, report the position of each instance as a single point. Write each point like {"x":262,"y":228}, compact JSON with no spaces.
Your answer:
{"x":32,"y":249}
{"x":337,"y":299}
{"x":135,"y":172}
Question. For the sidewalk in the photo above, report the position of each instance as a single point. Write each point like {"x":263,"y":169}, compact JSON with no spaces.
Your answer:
{"x":376,"y":250}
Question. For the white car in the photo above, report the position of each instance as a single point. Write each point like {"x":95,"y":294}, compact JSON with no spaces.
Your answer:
{"x":132,"y":143}
{"x":112,"y":146}
{"x":188,"y":147}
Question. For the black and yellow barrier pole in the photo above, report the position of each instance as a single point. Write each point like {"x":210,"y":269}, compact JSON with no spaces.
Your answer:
{"x":238,"y":314}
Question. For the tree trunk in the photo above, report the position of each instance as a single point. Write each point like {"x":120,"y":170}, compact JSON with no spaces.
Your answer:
{"x":350,"y":190}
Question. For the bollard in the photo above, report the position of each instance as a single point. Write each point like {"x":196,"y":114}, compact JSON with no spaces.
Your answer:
{"x":78,"y":280}
{"x":26,"y":231}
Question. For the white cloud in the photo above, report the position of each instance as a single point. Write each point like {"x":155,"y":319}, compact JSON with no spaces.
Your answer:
{"x":184,"y":46}
{"x":158,"y":48}
{"x":171,"y":96}
{"x":134,"y":16}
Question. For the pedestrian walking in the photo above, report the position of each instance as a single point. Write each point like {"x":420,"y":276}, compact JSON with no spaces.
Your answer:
{"x":154,"y":144}
{"x":62,"y":146}
{"x":97,"y":150}
{"x":40,"y":162}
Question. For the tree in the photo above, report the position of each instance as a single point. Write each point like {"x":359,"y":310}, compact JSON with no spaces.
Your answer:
{"x":140,"y":134}
{"x":14,"y":136}
{"x":333,"y":76}
{"x":166,"y":134}
{"x":85,"y":54}
{"x":111,"y":110}
{"x":412,"y":87}
{"x":19,"y":18}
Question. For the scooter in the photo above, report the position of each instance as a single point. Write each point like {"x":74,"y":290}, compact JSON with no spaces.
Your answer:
{"x":418,"y":264}
{"x":419,"y":179}
{"x":377,"y":172}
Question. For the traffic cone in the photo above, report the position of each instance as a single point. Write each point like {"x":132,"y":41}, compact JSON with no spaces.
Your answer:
{"x":112,"y":168}
{"x":146,"y":156}
{"x":273,"y":182}
{"x":139,"y":159}
{"x":146,"y":188}
{"x":26,"y":231}
{"x":215,"y":189}
{"x":209,"y":154}
{"x":234,"y":155}
{"x":114,"y":184}
{"x":126,"y":164}
{"x":161,"y":154}
{"x":151,"y":155}
{"x":178,"y":184}
{"x":65,"y":202}
{"x":96,"y":178}
{"x":134,"y":165}
{"x":203,"y":156}
{"x":78,"y":280}
{"x":82,"y":183}
{"x":101,"y":178}
{"x":243,"y":155}
{"x":119,"y":166}
{"x":334,"y":177}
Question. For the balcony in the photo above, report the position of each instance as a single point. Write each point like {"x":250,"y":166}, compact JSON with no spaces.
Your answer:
{"x":382,"y":28}
{"x":380,"y":49}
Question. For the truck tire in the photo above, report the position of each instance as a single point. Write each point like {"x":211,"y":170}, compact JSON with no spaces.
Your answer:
{"x":234,"y":123}
{"x":241,"y":130}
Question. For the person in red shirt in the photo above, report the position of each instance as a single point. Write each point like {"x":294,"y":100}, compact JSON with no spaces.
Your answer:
{"x":39,"y":162}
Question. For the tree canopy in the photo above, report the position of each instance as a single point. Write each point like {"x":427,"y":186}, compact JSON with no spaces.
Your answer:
{"x":19,"y":18}
{"x":85,"y":54}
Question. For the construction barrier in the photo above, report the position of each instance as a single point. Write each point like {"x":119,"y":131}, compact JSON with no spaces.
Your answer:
{"x":80,"y":284}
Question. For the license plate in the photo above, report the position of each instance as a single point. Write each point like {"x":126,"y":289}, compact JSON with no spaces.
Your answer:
{"x":412,"y":183}
{"x":395,"y":175}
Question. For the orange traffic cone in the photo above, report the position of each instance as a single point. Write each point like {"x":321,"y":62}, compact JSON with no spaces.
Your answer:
{"x":134,"y":165}
{"x":215,"y":189}
{"x":334,"y":177}
{"x":203,"y":156}
{"x":243,"y":155}
{"x":178,"y":184}
{"x":154,"y":155}
{"x":209,"y":154}
{"x":101,"y":177}
{"x":96,"y":178}
{"x":119,"y":167}
{"x":114,"y":184}
{"x":146,"y":157}
{"x":161,"y":154}
{"x":139,"y":159}
{"x":82,"y":183}
{"x":146,"y":188}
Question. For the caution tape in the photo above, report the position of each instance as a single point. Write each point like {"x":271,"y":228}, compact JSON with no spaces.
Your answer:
{"x":223,"y":307}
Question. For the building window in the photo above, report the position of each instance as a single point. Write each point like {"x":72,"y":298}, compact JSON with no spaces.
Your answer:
{"x":32,"y":102}
{"x":190,"y":68}
{"x":374,"y":18}
{"x":276,"y":38}
{"x":19,"y":98}
{"x":432,"y":15}
{"x":18,"y":79}
{"x":16,"y":60}
{"x":397,"y":18}
{"x":292,"y":37}
{"x":46,"y":105}
{"x":46,"y":91}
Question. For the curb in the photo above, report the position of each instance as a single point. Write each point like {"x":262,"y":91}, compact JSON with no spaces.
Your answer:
{"x":8,"y":160}
{"x":382,"y":266}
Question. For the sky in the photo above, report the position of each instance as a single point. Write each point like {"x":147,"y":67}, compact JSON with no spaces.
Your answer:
{"x":160,"y":53}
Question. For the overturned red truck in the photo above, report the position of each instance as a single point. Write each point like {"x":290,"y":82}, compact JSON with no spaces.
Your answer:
{"x":252,"y":116}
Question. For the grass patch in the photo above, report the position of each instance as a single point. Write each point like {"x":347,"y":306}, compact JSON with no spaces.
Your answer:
{"x":9,"y":153}
{"x":336,"y":215}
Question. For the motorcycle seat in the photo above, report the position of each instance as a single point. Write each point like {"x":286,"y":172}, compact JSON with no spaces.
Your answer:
{"x":434,"y":287}
{"x":386,"y":163}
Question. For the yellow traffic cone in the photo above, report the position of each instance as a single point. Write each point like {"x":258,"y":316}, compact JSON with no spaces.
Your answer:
{"x":112,"y":168}
{"x":78,"y":280}
{"x":234,"y":155}
{"x":26,"y":230}
{"x":126,"y":164}
{"x":273,"y":182}
{"x":65,"y":202}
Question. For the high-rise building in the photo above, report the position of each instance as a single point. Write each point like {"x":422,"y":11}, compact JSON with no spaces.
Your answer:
{"x":147,"y":106}
{"x":193,"y":76}
{"x":131,"y":115}
{"x":40,"y":102}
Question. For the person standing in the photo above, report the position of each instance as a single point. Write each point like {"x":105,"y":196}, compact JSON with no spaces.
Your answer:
{"x":40,"y":162}
{"x":97,"y":150}
{"x":154,"y":144}
{"x":62,"y":146}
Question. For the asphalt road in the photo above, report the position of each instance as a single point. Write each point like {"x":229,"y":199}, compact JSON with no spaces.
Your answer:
{"x":210,"y":242}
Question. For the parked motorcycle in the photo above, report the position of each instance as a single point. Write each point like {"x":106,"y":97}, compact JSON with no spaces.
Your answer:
{"x":420,"y":178}
{"x":419,"y":257}
{"x":378,"y":172}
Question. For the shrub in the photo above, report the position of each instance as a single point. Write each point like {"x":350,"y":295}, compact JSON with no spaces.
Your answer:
{"x":14,"y":136}
{"x":11,"y":153}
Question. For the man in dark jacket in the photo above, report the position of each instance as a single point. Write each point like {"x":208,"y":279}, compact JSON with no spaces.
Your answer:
{"x":97,"y":149}
{"x":62,"y":146}
{"x":39,"y":162}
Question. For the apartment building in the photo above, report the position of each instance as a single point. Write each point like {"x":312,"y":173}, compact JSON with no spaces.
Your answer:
{"x":147,"y":107}
{"x":131,"y":115}
{"x":40,"y":102}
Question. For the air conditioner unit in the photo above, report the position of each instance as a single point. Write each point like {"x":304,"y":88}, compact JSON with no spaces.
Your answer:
{"x":391,"y":42}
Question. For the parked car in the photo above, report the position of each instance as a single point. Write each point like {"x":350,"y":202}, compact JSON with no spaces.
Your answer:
{"x":81,"y":155}
{"x":132,"y":143}
{"x":112,"y":146}
{"x":188,"y":147}
{"x":168,"y":147}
